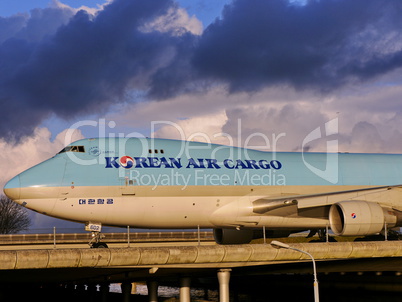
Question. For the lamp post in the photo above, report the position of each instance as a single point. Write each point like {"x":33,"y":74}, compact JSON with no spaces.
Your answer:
{"x":278,"y":244}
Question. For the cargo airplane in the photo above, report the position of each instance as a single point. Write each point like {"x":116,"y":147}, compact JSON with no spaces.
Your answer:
{"x":238,"y":192}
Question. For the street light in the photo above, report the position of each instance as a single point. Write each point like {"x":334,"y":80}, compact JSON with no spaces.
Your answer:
{"x":278,"y":245}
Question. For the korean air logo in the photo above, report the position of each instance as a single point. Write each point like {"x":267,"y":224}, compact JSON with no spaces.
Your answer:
{"x":126,"y":162}
{"x":94,"y":151}
{"x":353,"y":215}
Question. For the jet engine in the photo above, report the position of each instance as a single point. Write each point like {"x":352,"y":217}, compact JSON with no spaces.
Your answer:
{"x":357,"y":217}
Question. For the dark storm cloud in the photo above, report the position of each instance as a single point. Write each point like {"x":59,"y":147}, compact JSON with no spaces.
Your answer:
{"x":322,"y":44}
{"x":56,"y":61}
{"x":84,"y":66}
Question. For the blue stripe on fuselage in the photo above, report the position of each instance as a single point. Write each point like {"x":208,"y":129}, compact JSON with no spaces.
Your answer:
{"x":170,"y":162}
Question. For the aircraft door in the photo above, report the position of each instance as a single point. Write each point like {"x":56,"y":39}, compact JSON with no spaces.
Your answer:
{"x":127,"y":184}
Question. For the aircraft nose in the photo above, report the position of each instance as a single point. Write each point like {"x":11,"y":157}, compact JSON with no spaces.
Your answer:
{"x":13,"y":188}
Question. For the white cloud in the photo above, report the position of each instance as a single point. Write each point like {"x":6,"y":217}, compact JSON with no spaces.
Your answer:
{"x":176,"y":21}
{"x":90,"y":10}
{"x":206,"y":128}
{"x":369,"y":117}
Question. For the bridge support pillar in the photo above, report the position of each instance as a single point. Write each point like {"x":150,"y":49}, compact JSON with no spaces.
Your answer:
{"x":223,"y":278}
{"x":185,"y":289}
{"x":152,"y":291}
{"x":126,"y":291}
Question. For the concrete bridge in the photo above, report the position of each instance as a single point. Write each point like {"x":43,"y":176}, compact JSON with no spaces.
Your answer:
{"x":188,"y":263}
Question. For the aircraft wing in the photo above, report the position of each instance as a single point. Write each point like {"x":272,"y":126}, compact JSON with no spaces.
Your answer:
{"x":264,"y":205}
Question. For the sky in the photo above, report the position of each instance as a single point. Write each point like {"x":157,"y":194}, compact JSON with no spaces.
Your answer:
{"x":262,"y":73}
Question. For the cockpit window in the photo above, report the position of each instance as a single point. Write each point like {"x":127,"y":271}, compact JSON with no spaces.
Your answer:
{"x":73,"y":149}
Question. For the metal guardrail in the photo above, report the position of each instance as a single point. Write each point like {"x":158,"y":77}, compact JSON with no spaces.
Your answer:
{"x":74,"y":238}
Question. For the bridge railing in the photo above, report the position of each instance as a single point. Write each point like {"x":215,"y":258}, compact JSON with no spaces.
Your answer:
{"x":133,"y":237}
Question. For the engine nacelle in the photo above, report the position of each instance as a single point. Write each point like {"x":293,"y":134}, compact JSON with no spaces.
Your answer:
{"x":233,"y":236}
{"x":356,"y":218}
